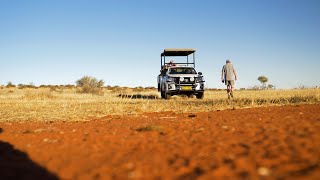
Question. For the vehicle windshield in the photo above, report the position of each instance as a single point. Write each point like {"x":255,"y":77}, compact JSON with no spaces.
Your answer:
{"x":182,"y":70}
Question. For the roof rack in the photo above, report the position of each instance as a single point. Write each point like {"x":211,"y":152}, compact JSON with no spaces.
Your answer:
{"x":178,"y":52}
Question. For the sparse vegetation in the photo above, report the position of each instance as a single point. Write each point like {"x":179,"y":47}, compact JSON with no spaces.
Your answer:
{"x":270,"y":86}
{"x":10,"y":84}
{"x":45,"y":104}
{"x":23,"y":86}
{"x":90,"y":85}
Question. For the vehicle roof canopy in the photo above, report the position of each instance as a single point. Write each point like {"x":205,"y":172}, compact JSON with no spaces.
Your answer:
{"x":178,"y":52}
{"x":176,"y":67}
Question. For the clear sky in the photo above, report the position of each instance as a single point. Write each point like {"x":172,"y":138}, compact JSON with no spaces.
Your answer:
{"x":59,"y":41}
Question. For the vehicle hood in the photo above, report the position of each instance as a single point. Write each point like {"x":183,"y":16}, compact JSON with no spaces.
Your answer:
{"x":183,"y":75}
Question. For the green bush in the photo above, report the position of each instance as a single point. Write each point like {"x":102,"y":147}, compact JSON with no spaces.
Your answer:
{"x":90,"y":85}
{"x":9,"y":85}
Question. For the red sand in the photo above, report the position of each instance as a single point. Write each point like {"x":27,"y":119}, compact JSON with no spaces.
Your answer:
{"x":261,"y":143}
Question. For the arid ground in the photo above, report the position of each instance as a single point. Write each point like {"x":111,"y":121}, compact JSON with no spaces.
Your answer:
{"x":259,"y":143}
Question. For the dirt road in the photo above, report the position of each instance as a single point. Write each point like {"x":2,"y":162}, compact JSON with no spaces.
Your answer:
{"x":262,"y":143}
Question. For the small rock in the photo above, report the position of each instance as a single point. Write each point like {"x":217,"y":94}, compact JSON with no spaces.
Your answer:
{"x":200,"y":129}
{"x":225,"y":127}
{"x":263,"y":171}
{"x":39,"y":130}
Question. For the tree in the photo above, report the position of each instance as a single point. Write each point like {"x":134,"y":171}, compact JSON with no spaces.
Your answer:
{"x":90,"y":85}
{"x":270,"y":86}
{"x":263,"y":80}
{"x":10,"y":84}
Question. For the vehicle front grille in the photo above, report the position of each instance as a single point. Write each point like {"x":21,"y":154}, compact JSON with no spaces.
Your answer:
{"x":176,"y":80}
{"x":185,"y":81}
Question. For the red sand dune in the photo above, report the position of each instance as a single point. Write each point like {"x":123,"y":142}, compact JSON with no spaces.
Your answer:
{"x":261,"y":143}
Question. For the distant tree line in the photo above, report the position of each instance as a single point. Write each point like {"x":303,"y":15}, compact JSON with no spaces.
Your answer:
{"x":86,"y":84}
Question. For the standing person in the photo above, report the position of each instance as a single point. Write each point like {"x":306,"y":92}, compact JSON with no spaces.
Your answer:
{"x":228,"y":76}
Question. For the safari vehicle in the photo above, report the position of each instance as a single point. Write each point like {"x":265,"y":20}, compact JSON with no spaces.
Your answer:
{"x":180,"y":78}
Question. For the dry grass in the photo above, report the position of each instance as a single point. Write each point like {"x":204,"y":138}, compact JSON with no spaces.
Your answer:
{"x":47,"y":105}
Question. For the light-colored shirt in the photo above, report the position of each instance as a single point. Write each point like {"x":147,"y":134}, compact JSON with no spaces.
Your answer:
{"x":228,"y":72}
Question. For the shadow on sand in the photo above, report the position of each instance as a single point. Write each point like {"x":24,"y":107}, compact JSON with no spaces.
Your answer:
{"x":138,"y":96}
{"x":15,"y":164}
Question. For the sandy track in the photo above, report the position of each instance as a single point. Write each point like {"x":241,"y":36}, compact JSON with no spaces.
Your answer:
{"x":262,"y":143}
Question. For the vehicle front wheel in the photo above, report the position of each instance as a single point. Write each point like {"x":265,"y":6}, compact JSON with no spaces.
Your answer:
{"x":167,"y":95}
{"x":162,"y":94}
{"x":200,"y":95}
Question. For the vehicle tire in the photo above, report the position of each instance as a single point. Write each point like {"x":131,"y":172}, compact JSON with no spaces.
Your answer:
{"x":200,"y":95}
{"x":167,"y":96}
{"x":162,"y":95}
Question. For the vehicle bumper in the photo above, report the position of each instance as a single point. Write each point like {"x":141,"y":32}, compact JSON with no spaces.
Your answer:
{"x":197,"y":87}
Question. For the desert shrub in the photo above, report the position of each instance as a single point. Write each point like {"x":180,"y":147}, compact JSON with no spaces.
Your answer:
{"x":138,"y":89}
{"x":69,"y":86}
{"x":9,"y":85}
{"x":23,"y":86}
{"x":89,"y":84}
{"x":43,"y":86}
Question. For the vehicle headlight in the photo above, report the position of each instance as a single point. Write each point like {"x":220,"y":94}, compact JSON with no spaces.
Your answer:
{"x":192,"y":79}
{"x":199,"y":79}
{"x":181,"y":79}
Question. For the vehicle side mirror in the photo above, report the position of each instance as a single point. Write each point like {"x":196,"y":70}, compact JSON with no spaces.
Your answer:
{"x":200,"y":73}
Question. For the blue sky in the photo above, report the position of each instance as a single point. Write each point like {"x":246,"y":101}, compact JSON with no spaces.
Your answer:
{"x":59,"y":41}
